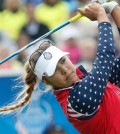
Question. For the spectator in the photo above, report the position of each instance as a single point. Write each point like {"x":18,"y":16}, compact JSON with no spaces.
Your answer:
{"x":33,"y":28}
{"x":14,"y":17}
{"x":70,"y":44}
{"x":52,"y":12}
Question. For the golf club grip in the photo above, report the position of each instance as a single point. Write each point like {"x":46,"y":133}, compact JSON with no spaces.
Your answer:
{"x":78,"y":16}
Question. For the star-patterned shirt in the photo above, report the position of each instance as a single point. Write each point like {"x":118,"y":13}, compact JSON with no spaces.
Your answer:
{"x":86,"y":95}
{"x":92,"y":105}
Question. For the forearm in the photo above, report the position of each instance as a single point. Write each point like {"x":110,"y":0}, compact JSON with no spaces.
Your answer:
{"x":90,"y":90}
{"x":116,"y":15}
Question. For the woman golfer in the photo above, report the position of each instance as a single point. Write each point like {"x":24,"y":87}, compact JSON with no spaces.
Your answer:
{"x":90,"y":101}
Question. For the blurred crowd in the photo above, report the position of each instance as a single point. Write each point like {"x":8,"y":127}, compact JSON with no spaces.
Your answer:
{"x":23,"y":21}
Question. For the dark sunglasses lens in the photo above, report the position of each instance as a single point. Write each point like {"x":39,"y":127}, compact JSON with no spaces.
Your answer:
{"x":33,"y":59}
{"x":43,"y":44}
{"x":35,"y":56}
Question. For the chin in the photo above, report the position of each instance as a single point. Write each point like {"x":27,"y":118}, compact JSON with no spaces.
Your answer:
{"x":74,"y":79}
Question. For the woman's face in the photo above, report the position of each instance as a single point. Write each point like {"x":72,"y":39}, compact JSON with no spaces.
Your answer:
{"x":65,"y":74}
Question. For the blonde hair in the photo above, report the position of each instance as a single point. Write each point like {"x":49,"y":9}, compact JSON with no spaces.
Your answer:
{"x":30,"y":80}
{"x":24,"y":95}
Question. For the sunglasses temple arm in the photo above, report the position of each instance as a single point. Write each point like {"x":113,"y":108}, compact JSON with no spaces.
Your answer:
{"x":42,"y":37}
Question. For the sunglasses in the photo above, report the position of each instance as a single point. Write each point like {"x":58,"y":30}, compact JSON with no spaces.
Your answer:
{"x":35,"y":56}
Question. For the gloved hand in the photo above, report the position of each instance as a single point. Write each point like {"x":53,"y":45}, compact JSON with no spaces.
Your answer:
{"x":107,"y":4}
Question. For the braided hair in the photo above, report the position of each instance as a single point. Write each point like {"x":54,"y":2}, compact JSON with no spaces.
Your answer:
{"x":30,"y":80}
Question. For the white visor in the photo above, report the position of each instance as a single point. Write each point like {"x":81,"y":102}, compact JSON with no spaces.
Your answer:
{"x":47,"y":62}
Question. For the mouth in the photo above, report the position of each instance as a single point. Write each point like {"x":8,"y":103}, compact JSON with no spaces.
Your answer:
{"x":69,"y":76}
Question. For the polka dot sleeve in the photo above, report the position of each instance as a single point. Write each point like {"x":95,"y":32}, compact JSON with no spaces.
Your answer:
{"x":115,"y":74}
{"x":86,"y":95}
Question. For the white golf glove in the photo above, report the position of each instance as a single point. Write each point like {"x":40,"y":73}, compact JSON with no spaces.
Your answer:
{"x":107,"y":4}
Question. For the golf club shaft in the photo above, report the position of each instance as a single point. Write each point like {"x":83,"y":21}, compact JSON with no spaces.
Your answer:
{"x":42,"y":37}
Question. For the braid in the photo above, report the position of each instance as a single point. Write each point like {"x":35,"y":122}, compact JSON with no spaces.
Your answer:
{"x":25,"y":95}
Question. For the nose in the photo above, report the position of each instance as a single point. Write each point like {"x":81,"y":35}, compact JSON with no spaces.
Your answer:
{"x":63,"y":69}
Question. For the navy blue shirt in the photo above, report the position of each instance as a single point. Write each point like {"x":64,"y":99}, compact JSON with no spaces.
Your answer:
{"x":86,"y":95}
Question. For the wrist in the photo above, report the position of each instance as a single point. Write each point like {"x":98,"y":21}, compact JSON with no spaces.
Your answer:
{"x":102,"y":17}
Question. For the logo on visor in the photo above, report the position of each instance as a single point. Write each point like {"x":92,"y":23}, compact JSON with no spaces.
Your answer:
{"x":47,"y":55}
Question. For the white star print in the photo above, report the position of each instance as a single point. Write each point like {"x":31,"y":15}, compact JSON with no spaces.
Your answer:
{"x":87,"y":101}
